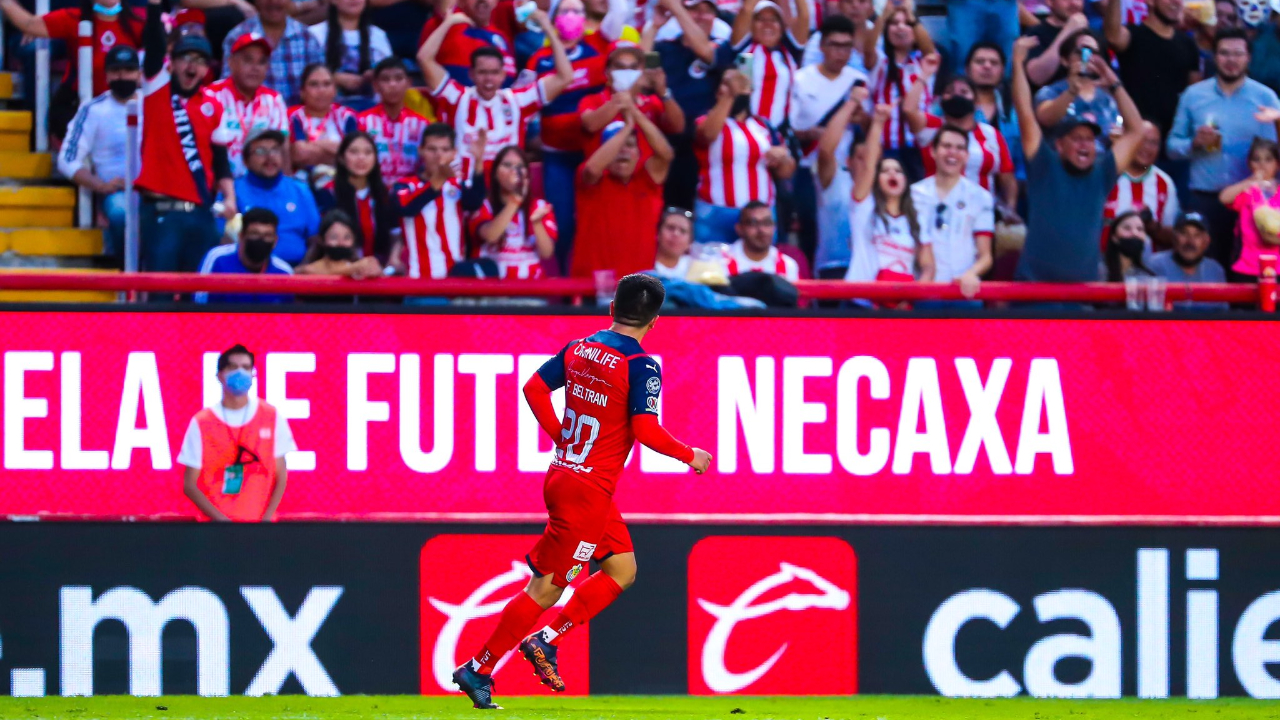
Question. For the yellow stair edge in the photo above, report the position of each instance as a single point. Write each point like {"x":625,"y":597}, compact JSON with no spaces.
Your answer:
{"x":61,"y":242}
{"x":6,"y":86}
{"x":15,"y":120}
{"x":32,"y":196}
{"x":25,"y":165}
{"x":19,"y":141}
{"x":37,"y":218}
{"x":68,"y":296}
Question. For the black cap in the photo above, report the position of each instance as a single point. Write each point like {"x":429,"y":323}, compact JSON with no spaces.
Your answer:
{"x":121,"y":56}
{"x":1191,"y":218}
{"x":1071,"y":122}
{"x":192,"y":44}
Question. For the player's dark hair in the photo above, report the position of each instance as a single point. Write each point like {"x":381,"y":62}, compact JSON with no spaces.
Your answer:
{"x":224,"y":360}
{"x":388,"y":63}
{"x":259,"y":216}
{"x":439,"y":130}
{"x":637,"y":300}
{"x":487,"y":51}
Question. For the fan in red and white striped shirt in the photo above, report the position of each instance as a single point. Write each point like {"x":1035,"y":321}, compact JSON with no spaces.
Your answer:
{"x":897,"y":68}
{"x":1143,"y":185}
{"x":740,"y":155}
{"x":500,"y":113}
{"x":431,"y":207}
{"x":771,"y":44}
{"x":248,"y":105}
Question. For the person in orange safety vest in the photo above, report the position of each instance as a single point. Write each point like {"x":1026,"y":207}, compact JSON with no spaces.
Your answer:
{"x":234,"y":451}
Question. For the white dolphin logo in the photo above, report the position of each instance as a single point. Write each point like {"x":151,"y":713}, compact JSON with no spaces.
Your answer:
{"x":444,"y":657}
{"x":719,"y":678}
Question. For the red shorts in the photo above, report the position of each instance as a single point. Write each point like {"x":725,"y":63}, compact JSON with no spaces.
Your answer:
{"x":583,"y":525}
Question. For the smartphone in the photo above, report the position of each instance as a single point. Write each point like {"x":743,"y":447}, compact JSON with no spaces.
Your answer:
{"x":1086,"y":54}
{"x":743,"y":63}
{"x":652,"y":60}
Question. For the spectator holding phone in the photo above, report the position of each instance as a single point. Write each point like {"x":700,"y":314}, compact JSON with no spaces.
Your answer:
{"x":768,"y":44}
{"x":233,"y":453}
{"x":630,"y":83}
{"x":741,"y":157}
{"x":1083,"y":93}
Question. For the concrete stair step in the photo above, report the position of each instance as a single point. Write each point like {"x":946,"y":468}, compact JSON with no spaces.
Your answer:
{"x":26,"y":165}
{"x":51,"y":241}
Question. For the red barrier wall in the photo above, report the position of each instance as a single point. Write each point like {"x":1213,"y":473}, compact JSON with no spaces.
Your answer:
{"x":819,"y":418}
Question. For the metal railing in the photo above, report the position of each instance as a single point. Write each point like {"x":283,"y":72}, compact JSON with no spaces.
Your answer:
{"x":1260,"y":295}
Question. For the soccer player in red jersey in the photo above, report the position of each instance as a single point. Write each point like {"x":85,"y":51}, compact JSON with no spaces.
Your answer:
{"x":611,"y":400}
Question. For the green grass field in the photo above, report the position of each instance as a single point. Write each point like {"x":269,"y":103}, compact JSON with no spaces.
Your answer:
{"x":623,"y":707}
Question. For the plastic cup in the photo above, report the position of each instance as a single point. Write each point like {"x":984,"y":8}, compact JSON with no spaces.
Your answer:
{"x":1134,"y":293}
{"x":1155,"y":293}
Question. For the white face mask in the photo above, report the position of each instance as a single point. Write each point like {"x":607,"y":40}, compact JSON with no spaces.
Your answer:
{"x":624,"y":79}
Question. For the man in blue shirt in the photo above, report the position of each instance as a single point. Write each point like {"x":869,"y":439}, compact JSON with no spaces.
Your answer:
{"x":264,"y":185}
{"x":1216,"y":122}
{"x":1186,"y":263}
{"x":251,"y":254}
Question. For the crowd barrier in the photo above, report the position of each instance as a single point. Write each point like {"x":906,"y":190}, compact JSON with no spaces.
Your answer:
{"x":1262,"y":295}
{"x":409,"y":416}
{"x":393,"y":607}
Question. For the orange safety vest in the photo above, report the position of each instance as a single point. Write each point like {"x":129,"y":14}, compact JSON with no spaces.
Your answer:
{"x":219,"y":443}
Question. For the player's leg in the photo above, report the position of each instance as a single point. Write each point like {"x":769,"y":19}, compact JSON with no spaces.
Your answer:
{"x":617,"y":559}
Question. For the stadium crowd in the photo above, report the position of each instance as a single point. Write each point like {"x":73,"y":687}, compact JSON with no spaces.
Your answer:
{"x":703,"y":140}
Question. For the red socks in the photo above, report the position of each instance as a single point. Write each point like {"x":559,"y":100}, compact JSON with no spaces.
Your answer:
{"x":517,"y":620}
{"x":588,"y":600}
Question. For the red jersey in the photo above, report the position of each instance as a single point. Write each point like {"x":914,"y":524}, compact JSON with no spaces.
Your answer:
{"x":517,"y":253}
{"x":884,"y":91}
{"x":178,"y":136}
{"x":432,"y":223}
{"x":266,"y":109}
{"x":503,"y":116}
{"x":64,"y":25}
{"x":462,"y":40}
{"x":615,"y":224}
{"x":607,"y":379}
{"x":651,"y":106}
{"x":339,"y":121}
{"x":561,"y":126}
{"x":396,"y":139}
{"x":734,"y":169}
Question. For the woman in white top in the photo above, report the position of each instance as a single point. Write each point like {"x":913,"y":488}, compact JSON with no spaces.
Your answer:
{"x":675,"y":235}
{"x":882,"y":222}
{"x":352,"y":46}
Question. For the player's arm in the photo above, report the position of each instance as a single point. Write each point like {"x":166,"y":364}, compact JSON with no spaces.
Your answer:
{"x":645,"y":381}
{"x":537,"y":392}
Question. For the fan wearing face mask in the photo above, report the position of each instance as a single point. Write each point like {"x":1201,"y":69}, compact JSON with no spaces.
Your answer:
{"x":336,"y":251}
{"x":1129,"y":248}
{"x":628,"y":84}
{"x":233,"y":453}
{"x":94,"y":154}
{"x":251,"y":254}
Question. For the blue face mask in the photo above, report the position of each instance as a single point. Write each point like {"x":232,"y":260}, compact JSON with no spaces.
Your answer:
{"x":239,"y":382}
{"x":108,"y":11}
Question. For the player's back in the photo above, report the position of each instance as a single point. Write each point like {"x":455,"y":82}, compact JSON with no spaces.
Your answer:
{"x":606,"y":381}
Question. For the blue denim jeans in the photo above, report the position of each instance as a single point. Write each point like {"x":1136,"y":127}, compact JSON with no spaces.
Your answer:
{"x":559,"y":175}
{"x":114,"y":207}
{"x":175,"y":241}
{"x":969,"y":21}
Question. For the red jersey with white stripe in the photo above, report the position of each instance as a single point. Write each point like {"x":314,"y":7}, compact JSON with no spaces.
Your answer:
{"x":504,"y":116}
{"x":1153,"y":190}
{"x":396,"y":139}
{"x":733,"y":165}
{"x":988,"y":153}
{"x":431,"y":223}
{"x":772,"y":72}
{"x":166,"y":119}
{"x":517,"y":253}
{"x":266,"y":109}
{"x":1133,"y":12}
{"x":897,"y":134}
{"x":774,"y":263}
{"x":339,"y":121}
